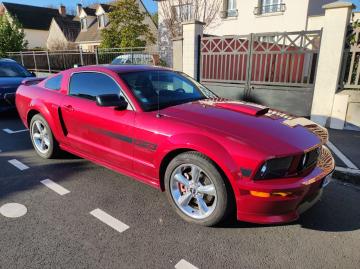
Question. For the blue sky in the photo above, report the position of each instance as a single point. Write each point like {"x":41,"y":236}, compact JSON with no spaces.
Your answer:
{"x":150,"y":4}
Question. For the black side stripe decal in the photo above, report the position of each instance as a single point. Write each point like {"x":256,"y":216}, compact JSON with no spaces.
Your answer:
{"x":127,"y":139}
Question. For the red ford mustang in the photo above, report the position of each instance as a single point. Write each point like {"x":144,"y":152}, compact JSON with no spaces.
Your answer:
{"x":210,"y":155}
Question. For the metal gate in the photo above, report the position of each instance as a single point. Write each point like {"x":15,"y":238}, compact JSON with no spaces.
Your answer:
{"x":273,"y":69}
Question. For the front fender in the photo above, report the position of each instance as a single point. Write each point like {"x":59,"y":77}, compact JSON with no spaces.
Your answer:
{"x":209,"y":147}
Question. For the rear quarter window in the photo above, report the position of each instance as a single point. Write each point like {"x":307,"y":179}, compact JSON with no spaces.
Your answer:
{"x":54,"y":83}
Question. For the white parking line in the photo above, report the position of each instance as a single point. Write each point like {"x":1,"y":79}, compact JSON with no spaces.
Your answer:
{"x":341,"y":156}
{"x":18,"y":165}
{"x":55,"y":187}
{"x":185,"y":265}
{"x":347,"y":170}
{"x":109,"y":220}
{"x":14,"y":132}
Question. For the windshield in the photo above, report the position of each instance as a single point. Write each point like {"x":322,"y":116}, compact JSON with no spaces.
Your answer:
{"x":12,"y":69}
{"x":160,"y":89}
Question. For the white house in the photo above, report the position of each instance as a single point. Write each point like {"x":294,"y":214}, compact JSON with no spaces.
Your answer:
{"x":94,"y":18}
{"x":63,"y":33}
{"x":237,"y":17}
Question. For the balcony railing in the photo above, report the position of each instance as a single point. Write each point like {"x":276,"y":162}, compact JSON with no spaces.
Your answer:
{"x":265,"y":9}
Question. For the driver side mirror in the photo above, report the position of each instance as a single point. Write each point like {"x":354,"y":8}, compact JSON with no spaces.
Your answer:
{"x":112,"y":100}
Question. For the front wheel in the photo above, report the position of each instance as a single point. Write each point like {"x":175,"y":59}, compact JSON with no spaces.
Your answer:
{"x":42,"y":138}
{"x":196,"y":189}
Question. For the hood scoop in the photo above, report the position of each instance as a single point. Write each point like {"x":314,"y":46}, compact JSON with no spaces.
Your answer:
{"x":247,"y":108}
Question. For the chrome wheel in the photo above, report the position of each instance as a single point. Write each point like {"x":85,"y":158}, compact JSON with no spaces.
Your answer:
{"x":193,"y":191}
{"x":40,"y":137}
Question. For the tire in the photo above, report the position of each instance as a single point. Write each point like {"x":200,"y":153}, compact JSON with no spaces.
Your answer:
{"x":48,"y":149}
{"x":185,"y":197}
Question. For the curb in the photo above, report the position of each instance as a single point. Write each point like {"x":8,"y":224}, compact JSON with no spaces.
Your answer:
{"x":347,"y":175}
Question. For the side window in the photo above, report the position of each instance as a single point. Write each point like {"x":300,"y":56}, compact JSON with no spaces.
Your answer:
{"x":90,"y":84}
{"x":54,"y":83}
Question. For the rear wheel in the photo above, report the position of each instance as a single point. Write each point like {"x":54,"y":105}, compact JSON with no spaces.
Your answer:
{"x":42,"y":138}
{"x":196,"y":189}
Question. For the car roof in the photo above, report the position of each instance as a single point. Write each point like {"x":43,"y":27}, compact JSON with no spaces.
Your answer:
{"x":134,"y":55}
{"x":120,"y":68}
{"x":7,"y":60}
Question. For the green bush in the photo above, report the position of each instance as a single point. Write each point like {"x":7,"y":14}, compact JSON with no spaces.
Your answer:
{"x":12,"y":36}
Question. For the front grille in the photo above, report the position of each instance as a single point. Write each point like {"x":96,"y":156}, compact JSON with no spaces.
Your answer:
{"x":308,"y":159}
{"x":326,"y":163}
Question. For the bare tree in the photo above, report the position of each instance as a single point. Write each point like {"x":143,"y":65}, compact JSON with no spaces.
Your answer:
{"x":174,"y":12}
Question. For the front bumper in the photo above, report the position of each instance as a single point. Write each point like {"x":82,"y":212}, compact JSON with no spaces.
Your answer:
{"x":303,"y":192}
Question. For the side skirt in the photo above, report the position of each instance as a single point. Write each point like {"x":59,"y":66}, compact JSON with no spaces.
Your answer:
{"x":155,"y":183}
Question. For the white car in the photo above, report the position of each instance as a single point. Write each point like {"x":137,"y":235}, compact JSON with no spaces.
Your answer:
{"x":135,"y":58}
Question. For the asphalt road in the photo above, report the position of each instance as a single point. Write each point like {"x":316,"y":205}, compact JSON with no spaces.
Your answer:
{"x":58,"y":231}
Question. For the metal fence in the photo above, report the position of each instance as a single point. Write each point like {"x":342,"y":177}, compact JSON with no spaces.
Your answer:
{"x":287,"y":58}
{"x":350,"y":75}
{"x":276,"y":69}
{"x":56,"y":61}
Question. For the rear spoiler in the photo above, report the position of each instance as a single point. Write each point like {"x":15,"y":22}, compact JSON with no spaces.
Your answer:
{"x":31,"y":81}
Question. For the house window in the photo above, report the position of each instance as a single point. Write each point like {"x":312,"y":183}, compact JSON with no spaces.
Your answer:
{"x":231,"y":10}
{"x":270,"y":6}
{"x":101,"y":21}
{"x":183,"y":12}
{"x":83,"y":23}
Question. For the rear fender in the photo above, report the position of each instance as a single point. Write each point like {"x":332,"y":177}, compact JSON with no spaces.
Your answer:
{"x":50,"y":116}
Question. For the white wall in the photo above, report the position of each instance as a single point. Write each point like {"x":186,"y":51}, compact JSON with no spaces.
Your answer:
{"x":315,"y":22}
{"x":293,"y":19}
{"x":89,"y":47}
{"x":36,"y":38}
{"x":56,"y":38}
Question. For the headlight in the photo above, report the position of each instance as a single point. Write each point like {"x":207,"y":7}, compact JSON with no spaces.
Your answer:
{"x":274,"y":168}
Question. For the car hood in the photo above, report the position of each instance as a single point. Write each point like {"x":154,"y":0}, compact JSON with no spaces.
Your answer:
{"x":248,"y":123}
{"x":10,"y":83}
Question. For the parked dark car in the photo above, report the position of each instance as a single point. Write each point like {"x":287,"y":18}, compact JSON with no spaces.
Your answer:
{"x":11,"y":76}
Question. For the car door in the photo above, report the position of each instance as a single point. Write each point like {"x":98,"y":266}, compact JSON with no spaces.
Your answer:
{"x":104,"y":134}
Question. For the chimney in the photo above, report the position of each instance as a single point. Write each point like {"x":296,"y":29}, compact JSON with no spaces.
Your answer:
{"x":62,"y":10}
{"x":78,"y":9}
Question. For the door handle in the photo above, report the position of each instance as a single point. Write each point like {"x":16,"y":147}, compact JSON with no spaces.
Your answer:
{"x":69,"y":108}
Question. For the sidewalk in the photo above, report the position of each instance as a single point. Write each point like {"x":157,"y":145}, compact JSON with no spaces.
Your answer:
{"x":345,"y":146}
